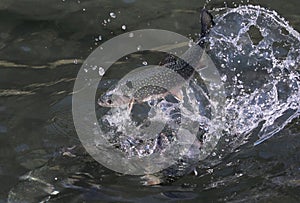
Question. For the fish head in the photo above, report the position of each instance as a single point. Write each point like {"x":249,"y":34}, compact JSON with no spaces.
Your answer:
{"x":114,"y":99}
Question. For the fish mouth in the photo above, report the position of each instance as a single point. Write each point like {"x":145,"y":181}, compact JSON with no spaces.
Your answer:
{"x":104,"y":102}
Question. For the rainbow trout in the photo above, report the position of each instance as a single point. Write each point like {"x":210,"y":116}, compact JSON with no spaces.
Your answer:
{"x":154,"y":82}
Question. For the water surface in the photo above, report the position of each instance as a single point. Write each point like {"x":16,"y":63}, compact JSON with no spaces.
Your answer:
{"x":42,"y":47}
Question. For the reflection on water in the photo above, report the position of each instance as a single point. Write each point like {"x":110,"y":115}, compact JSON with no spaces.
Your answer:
{"x":41,"y":52}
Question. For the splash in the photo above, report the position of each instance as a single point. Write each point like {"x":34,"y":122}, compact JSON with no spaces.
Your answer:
{"x":257,"y":55}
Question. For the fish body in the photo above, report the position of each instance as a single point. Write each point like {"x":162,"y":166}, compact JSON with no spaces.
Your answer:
{"x":154,"y":82}
{"x":141,"y":85}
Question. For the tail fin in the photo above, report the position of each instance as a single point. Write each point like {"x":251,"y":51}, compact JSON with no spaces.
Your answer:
{"x":206,"y":22}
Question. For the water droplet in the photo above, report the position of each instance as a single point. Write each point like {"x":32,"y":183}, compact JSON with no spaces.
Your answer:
{"x":112,"y":14}
{"x":55,"y":192}
{"x":191,"y":43}
{"x":101,"y":71}
{"x":123,"y":27}
{"x":292,"y":63}
{"x":239,"y":175}
{"x":145,"y":63}
{"x":83,"y":9}
{"x":210,"y":170}
{"x":224,"y":78}
{"x":139,"y":47}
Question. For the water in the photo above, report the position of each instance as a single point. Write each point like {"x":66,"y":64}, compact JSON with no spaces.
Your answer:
{"x":41,"y":52}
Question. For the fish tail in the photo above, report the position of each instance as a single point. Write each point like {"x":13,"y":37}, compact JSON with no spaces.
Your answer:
{"x":207,"y":22}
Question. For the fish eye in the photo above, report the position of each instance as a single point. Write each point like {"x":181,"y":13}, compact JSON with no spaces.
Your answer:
{"x":109,"y":101}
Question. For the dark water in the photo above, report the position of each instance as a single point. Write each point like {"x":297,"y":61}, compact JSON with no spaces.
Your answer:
{"x":42,"y":46}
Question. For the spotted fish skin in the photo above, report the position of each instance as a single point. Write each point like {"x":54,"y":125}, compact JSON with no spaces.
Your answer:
{"x":142,"y":84}
{"x":156,"y":82}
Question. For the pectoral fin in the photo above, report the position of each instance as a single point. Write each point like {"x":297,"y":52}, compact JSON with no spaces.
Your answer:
{"x":130,"y":104}
{"x":177,"y":93}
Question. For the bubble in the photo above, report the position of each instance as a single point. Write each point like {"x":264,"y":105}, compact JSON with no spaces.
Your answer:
{"x":123,"y":27}
{"x":145,"y":63}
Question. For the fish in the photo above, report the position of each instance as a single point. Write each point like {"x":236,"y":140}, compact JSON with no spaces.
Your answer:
{"x":155,"y":82}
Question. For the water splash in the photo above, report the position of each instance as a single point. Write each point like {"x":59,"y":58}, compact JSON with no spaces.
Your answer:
{"x":257,"y":53}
